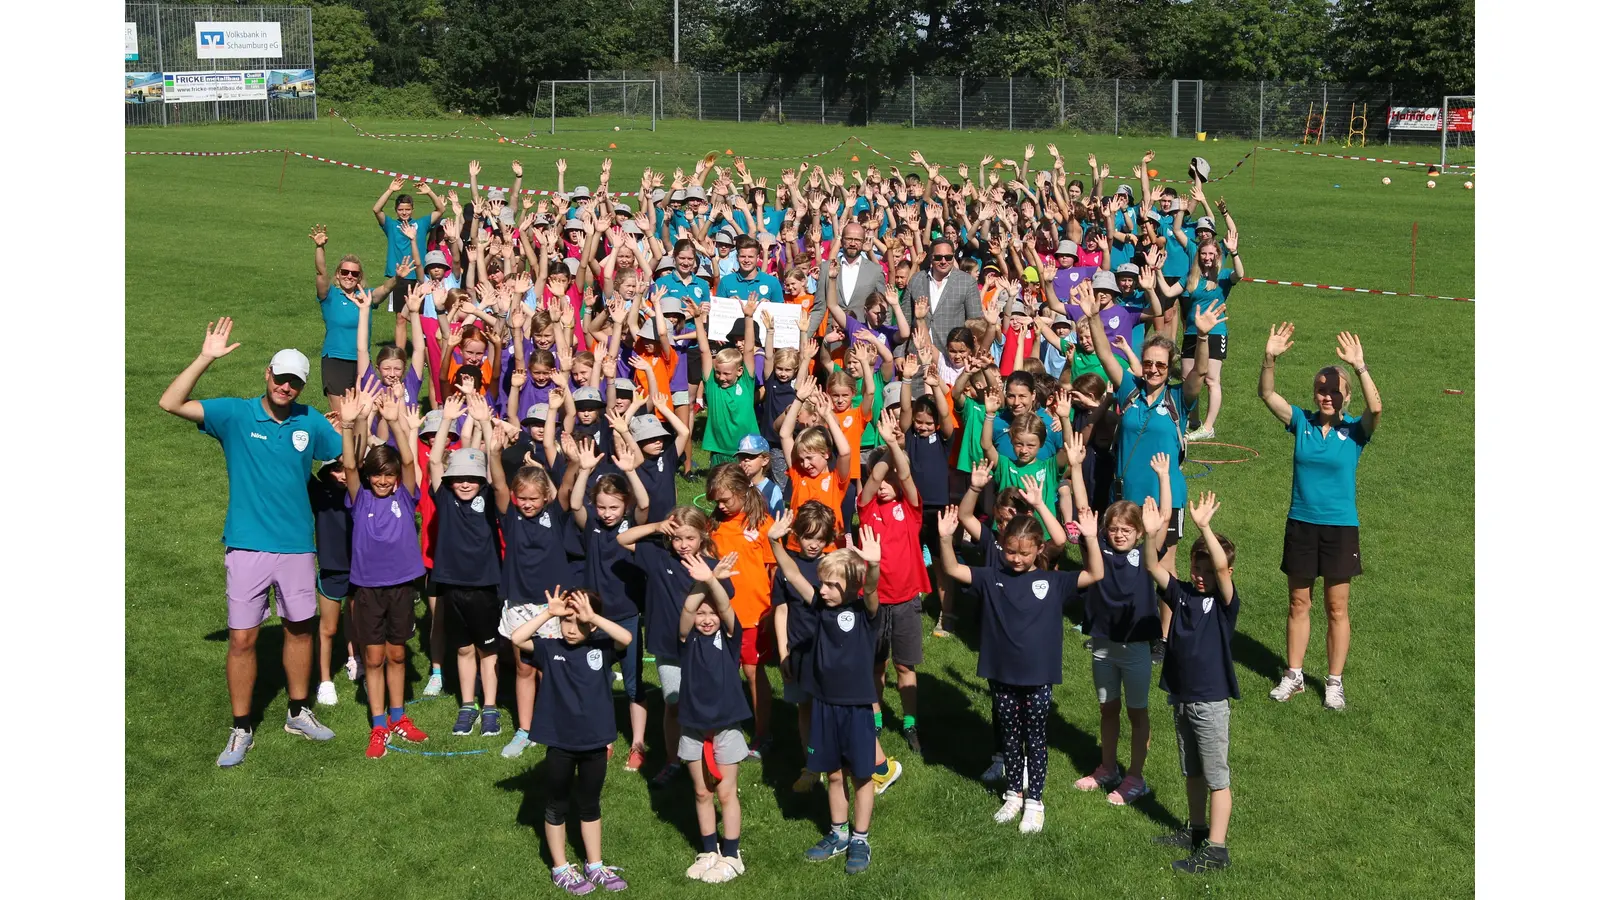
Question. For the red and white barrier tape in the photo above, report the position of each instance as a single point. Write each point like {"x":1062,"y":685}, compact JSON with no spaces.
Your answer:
{"x":357,"y":166}
{"x":1335,"y":287}
{"x":1393,"y":162}
{"x":1090,"y":174}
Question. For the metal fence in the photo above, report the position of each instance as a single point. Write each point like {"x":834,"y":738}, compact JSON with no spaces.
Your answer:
{"x":1254,"y":110}
{"x":167,"y":44}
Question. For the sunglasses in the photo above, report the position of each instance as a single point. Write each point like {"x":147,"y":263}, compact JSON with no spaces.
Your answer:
{"x":944,"y":257}
{"x":293,"y":381}
{"x":1158,"y":366}
{"x":353,"y":273}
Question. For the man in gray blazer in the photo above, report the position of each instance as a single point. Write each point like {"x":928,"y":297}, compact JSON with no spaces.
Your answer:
{"x":952,"y":294}
{"x":858,"y":277}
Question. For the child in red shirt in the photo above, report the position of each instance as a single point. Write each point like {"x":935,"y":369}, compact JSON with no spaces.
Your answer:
{"x":891,"y":505}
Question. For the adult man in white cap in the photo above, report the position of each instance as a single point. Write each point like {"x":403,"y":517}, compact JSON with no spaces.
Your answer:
{"x":268,"y":444}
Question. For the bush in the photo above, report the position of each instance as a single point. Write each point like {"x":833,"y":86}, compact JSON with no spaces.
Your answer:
{"x":412,"y":101}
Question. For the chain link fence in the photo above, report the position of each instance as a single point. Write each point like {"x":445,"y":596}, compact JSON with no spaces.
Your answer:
{"x":1238,"y":110}
{"x":166,"y":36}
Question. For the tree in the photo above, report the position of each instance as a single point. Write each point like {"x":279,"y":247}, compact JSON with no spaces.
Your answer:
{"x":1427,"y":43}
{"x":344,"y":46}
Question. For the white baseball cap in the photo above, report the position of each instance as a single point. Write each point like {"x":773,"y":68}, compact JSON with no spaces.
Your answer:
{"x":290,"y":362}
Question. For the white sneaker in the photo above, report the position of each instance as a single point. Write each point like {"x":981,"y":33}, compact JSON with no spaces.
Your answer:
{"x":1032,"y":816}
{"x":1290,"y":685}
{"x":1201,"y":434}
{"x":726,"y":868}
{"x":326,"y":695}
{"x":1009,"y":809}
{"x":702,"y":864}
{"x":435,"y":685}
{"x":996,"y":771}
{"x":1333,"y":694}
{"x":352,"y":669}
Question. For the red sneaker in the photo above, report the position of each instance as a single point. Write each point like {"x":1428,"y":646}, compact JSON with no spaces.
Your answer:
{"x":378,"y":742}
{"x":408,"y":730}
{"x":635,"y":759}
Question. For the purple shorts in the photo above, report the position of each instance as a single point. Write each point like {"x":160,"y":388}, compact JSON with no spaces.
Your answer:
{"x":251,"y":572}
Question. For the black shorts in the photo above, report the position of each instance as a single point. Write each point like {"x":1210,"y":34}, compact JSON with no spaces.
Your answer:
{"x":897,"y":632}
{"x":929,"y":535}
{"x":471,"y":616}
{"x":1217,"y":342}
{"x":333,"y":584}
{"x":1174,"y":531}
{"x":338,"y":375}
{"x":842,"y":737}
{"x":383,"y":615}
{"x":1330,"y":552}
{"x":694,"y":372}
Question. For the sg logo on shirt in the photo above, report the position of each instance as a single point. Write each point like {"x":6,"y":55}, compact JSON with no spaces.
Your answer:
{"x":847,"y":621}
{"x":1040,"y":588}
{"x":301,"y":440}
{"x":594,"y":659}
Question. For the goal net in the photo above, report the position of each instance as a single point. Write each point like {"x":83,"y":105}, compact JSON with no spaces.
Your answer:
{"x":1458,"y":143}
{"x":595,"y":105}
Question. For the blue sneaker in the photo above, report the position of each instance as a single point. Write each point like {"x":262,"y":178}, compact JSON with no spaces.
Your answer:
{"x":860,"y":856}
{"x":489,"y":725}
{"x":307,"y":726}
{"x":239,"y":741}
{"x":830,"y":846}
{"x":464,"y":720}
{"x":519,"y":742}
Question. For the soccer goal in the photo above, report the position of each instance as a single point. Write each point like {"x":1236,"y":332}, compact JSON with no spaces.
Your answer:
{"x":600,"y":104}
{"x":1458,"y":140}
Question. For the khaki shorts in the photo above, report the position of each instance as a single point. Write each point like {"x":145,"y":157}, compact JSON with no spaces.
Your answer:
{"x":727,"y":746}
{"x":1202,"y":730}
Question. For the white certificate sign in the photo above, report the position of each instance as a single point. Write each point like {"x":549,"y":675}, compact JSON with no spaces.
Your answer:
{"x":785,"y":321}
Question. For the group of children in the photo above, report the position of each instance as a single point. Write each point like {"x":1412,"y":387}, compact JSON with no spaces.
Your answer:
{"x":842,"y":473}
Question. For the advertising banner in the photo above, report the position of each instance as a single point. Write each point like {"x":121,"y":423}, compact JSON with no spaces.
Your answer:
{"x":141,"y":87}
{"x":290,"y":84}
{"x":238,"y":40}
{"x":130,"y":41}
{"x":1415,"y":118}
{"x":1461,"y":119}
{"x":196,"y":87}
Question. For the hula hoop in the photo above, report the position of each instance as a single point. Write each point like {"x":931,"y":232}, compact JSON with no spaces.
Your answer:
{"x":1254,"y":453}
{"x":437,"y":753}
{"x":704,"y":507}
{"x":1197,"y":474}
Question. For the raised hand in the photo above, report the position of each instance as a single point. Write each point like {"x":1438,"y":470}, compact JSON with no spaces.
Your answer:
{"x":949,"y":521}
{"x":216,"y":346}
{"x":350,"y":408}
{"x":780,"y":525}
{"x":1204,"y":509}
{"x":588,"y":456}
{"x":870,"y":549}
{"x":1088,"y":523}
{"x":319,"y":235}
{"x":477,"y":408}
{"x":582,"y":609}
{"x":473,"y":168}
{"x":982,"y":473}
{"x":1151,"y":513}
{"x":453,"y":406}
{"x":1077,"y":452}
{"x":556,"y":601}
{"x":1216,"y":315}
{"x":1032,"y":489}
{"x":1159,"y":463}
{"x":695,"y":566}
{"x":626,"y":457}
{"x":1350,"y":350}
{"x":1280,"y":339}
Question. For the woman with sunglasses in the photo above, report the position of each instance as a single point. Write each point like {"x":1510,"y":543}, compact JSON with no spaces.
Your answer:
{"x":341,"y":316}
{"x":1321,"y":537}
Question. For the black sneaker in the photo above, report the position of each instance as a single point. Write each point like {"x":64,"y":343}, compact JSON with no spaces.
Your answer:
{"x":1209,"y":858}
{"x":913,"y":741}
{"x":1185,"y":837}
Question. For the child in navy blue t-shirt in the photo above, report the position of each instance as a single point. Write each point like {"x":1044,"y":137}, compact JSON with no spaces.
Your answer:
{"x":1198,"y":677}
{"x":1019,"y":648}
{"x":575,"y":720}
{"x":711,"y":706}
{"x":838,"y":674}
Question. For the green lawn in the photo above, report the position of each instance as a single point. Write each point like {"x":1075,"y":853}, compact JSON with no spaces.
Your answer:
{"x":1375,"y":802}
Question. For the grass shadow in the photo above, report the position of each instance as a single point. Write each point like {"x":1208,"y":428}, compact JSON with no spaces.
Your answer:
{"x":1257,"y":657}
{"x":954,"y":722}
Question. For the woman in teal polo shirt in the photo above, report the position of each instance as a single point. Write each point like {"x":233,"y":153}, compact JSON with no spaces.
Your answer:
{"x":340,"y":316}
{"x":1321,"y":537}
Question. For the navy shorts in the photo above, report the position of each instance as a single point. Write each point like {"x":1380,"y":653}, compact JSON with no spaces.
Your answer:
{"x":333,"y":584}
{"x":842,"y":737}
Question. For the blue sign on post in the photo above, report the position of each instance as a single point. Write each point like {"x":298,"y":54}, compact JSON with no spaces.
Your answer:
{"x":211,"y":39}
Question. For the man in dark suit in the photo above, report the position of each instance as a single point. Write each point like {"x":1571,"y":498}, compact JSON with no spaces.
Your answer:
{"x":952,"y":294}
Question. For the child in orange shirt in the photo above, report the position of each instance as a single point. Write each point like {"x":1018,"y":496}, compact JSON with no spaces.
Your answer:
{"x":811,"y":475}
{"x":741,"y":527}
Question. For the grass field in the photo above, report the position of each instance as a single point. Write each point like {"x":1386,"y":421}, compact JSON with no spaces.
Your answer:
{"x":1374,"y":802}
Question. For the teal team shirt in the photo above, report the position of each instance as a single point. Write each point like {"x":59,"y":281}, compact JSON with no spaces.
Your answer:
{"x":1145,"y":431}
{"x":340,"y":318}
{"x":399,"y":244}
{"x":268,"y":464}
{"x":1177,"y":264}
{"x":1202,"y":299}
{"x":1324,"y":485}
{"x":763,"y":285}
{"x":695,"y":289}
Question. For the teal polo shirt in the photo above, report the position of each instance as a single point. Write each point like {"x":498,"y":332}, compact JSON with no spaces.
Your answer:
{"x":399,"y":244}
{"x":1324,"y":485}
{"x":1146,"y":430}
{"x":763,"y":285}
{"x":695,"y":289}
{"x":1202,"y":299}
{"x":1177,"y":263}
{"x":269,"y":463}
{"x":340,"y":319}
